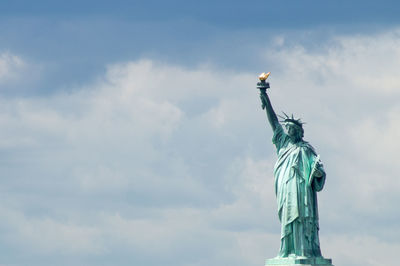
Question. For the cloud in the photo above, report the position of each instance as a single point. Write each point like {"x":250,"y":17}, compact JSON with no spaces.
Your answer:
{"x":153,"y":158}
{"x":10,"y":66}
{"x":352,"y":250}
{"x":47,"y":235}
{"x":18,"y":76}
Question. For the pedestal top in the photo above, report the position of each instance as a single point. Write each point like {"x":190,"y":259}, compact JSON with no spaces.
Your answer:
{"x":299,"y":261}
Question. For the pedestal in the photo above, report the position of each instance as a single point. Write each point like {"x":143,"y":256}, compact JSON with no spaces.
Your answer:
{"x":299,"y":261}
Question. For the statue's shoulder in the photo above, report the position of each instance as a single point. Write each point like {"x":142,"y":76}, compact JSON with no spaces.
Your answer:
{"x":307,"y":146}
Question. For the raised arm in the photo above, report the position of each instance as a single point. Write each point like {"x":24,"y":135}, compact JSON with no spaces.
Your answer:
{"x":266,"y":104}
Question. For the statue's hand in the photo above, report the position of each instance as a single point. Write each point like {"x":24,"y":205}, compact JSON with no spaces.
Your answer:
{"x":318,"y":173}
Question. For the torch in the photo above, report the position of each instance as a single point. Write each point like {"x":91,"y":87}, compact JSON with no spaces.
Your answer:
{"x":263,"y":85}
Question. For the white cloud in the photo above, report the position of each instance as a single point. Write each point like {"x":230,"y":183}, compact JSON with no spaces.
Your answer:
{"x":47,"y":236}
{"x":365,"y":63}
{"x":10,"y":66}
{"x":361,"y":250}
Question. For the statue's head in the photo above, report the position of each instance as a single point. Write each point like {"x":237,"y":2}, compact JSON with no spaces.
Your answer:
{"x":294,"y":128}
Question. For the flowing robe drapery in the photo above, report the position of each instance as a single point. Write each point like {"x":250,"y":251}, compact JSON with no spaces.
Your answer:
{"x":299,"y":174}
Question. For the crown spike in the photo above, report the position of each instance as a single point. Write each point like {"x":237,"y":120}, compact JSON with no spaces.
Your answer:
{"x":281,"y":117}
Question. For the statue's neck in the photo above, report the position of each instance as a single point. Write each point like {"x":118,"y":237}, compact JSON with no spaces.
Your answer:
{"x":295,"y":140}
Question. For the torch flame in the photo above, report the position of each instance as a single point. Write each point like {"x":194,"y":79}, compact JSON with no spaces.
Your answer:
{"x":264,"y":76}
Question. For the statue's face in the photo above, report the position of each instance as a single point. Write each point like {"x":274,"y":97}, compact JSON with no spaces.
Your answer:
{"x":294,"y":132}
{"x":291,"y":130}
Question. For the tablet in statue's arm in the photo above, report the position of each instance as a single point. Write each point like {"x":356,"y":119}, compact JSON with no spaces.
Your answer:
{"x":317,"y":175}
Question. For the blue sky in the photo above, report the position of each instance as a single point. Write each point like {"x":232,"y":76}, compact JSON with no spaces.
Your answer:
{"x":131,"y":133}
{"x":77,"y":38}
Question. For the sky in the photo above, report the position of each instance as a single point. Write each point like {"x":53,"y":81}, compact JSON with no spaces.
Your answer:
{"x":131,"y":133}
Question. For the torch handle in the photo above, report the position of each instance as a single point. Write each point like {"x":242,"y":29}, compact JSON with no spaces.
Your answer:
{"x":262,"y":85}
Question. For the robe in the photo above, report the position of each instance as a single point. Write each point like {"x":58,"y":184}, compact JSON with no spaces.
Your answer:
{"x":299,"y":175}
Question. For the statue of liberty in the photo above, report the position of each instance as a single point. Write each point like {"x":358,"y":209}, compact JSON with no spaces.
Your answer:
{"x":299,"y":175}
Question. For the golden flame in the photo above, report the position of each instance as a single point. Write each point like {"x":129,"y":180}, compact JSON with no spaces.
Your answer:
{"x":264,"y":76}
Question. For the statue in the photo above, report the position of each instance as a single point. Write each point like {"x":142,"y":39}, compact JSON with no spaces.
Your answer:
{"x":299,"y":175}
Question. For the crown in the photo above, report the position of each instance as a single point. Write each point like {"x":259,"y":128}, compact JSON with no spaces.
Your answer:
{"x":287,"y":119}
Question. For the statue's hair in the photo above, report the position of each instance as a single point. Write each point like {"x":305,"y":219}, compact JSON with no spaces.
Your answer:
{"x":291,"y":120}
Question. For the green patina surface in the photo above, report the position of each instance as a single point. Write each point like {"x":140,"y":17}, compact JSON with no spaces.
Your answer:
{"x":299,"y":175}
